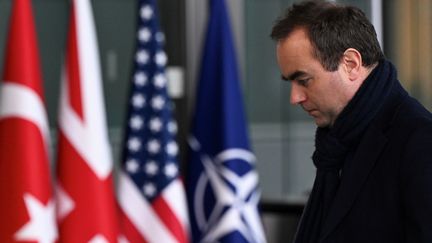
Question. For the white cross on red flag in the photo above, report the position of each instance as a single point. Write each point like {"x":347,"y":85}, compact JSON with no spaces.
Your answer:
{"x":86,"y":201}
{"x":26,"y":205}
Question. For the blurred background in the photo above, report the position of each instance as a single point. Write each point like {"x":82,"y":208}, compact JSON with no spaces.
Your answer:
{"x":281,"y":135}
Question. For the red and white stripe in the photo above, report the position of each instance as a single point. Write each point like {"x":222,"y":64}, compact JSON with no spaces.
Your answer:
{"x":26,"y":202}
{"x":87,"y":210}
{"x":164,"y":220}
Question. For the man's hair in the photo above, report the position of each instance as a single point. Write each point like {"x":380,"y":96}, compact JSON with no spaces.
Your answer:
{"x":331,"y":30}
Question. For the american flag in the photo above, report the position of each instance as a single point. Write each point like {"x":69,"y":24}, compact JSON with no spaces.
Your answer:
{"x":151,"y":194}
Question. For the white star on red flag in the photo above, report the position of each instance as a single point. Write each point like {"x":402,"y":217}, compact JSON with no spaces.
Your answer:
{"x":41,"y":225}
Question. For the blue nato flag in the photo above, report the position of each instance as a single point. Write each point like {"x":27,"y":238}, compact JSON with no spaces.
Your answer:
{"x":221,"y":180}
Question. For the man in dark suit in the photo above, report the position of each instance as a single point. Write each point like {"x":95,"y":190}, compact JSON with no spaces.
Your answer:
{"x":373,"y":145}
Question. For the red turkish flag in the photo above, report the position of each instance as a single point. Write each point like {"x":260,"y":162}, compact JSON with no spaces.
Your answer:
{"x":26,"y":203}
{"x":86,"y":203}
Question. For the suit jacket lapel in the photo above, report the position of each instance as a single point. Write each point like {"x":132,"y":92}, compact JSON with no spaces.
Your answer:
{"x":355,"y":174}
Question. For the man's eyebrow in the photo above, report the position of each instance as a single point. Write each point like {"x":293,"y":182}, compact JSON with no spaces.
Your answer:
{"x":293,"y":76}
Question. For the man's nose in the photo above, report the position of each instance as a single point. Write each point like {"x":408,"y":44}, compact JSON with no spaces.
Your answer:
{"x":297,"y":94}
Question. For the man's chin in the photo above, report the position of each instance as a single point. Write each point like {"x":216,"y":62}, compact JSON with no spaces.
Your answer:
{"x":322,"y":123}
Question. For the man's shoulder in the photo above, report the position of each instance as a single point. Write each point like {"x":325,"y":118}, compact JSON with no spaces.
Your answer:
{"x":413,"y":112}
{"x":410,"y":118}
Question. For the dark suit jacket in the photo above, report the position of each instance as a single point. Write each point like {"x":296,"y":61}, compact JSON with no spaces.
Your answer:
{"x":385,"y":193}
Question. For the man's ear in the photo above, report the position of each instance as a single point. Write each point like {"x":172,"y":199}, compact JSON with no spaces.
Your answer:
{"x":352,"y":63}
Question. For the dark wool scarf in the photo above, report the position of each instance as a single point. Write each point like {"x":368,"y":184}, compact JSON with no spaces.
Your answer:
{"x":333,"y":145}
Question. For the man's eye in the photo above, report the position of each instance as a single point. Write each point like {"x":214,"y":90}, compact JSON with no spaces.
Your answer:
{"x":303,"y":82}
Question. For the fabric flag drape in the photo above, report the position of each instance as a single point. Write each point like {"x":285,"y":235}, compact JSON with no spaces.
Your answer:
{"x":26,"y":203}
{"x":151,"y":194}
{"x":221,"y":183}
{"x":86,"y":200}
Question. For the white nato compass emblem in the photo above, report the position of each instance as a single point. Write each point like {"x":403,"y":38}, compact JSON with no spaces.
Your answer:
{"x":235,"y":195}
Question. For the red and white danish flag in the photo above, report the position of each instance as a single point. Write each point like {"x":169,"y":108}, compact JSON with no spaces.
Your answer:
{"x":26,"y":204}
{"x":86,"y":200}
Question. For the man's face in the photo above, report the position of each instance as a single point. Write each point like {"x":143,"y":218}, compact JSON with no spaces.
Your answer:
{"x":322,"y":94}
